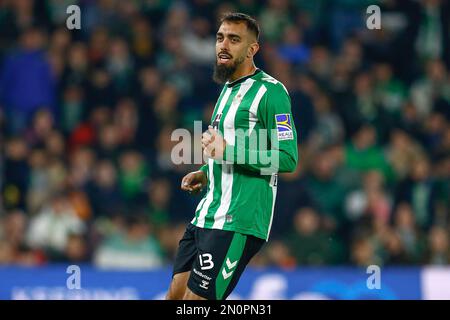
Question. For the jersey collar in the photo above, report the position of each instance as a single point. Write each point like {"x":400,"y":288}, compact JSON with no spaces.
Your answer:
{"x":235,"y":82}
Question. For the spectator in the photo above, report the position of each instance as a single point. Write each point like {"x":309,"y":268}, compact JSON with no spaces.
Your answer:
{"x":320,"y":63}
{"x":51,"y":228}
{"x":371,"y":200}
{"x":396,"y":251}
{"x":438,"y":243}
{"x":309,"y":244}
{"x":134,"y":248}
{"x":402,"y":152}
{"x":328,"y":129}
{"x":199,"y":43}
{"x":278,"y":254}
{"x":12,"y":239}
{"x":26,"y":81}
{"x":430,"y":43}
{"x":390,"y":92}
{"x":103,"y":190}
{"x":81,"y":166}
{"x":76,"y":250}
{"x":17,"y":173}
{"x":133,"y":173}
{"x":42,"y":125}
{"x":73,"y":108}
{"x":293,"y":49}
{"x":363,"y":154}
{"x":432,"y":85}
{"x":91,"y":113}
{"x":363,"y":253}
{"x":420,"y":191}
{"x":274,"y":19}
{"x":109,"y":142}
{"x":40,"y":189}
{"x":409,"y":234}
{"x":159,"y":196}
{"x":143,"y":43}
{"x":126,"y":121}
{"x":120,"y":65}
{"x":325,"y":191}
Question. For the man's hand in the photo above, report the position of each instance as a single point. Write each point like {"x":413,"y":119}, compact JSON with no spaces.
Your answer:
{"x":213,"y":144}
{"x":194,"y":182}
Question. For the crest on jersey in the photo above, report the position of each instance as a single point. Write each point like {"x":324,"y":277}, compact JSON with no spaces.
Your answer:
{"x":284,"y":126}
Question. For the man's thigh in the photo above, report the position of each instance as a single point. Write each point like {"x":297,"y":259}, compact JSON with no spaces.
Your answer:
{"x":221,"y":259}
{"x":186,"y":253}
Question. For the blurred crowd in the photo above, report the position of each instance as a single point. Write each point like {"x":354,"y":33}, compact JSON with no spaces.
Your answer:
{"x":86,"y":118}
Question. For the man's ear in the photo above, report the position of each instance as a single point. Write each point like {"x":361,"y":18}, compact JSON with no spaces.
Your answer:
{"x":252,"y":50}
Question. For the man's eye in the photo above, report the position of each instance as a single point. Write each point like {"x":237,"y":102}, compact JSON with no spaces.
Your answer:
{"x":219,"y":39}
{"x":234,"y":40}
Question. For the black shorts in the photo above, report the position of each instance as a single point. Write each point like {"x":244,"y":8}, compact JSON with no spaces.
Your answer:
{"x":216,"y":259}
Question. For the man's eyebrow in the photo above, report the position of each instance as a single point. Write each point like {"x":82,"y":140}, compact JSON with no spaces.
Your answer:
{"x":230,"y":35}
{"x":233,"y":35}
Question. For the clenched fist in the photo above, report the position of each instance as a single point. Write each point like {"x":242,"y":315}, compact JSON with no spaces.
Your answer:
{"x":194,"y":182}
{"x":213,"y":144}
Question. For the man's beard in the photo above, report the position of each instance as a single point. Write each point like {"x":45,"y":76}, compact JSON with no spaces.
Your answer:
{"x":223,"y":72}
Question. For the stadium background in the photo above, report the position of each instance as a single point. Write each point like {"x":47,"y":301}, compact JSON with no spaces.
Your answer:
{"x":85,"y":121}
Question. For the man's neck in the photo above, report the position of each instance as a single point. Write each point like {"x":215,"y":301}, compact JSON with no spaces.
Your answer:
{"x":242,"y":73}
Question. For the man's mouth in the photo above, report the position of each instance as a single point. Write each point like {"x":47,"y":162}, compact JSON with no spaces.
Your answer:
{"x":223,"y":57}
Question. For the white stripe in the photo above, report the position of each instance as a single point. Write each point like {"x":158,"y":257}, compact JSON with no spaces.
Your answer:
{"x":228,"y":122}
{"x":254,"y":108}
{"x":200,"y":204}
{"x":209,"y":197}
{"x":225,"y":197}
{"x":274,"y":196}
{"x":228,"y":169}
{"x":198,"y":207}
{"x":224,"y":100}
{"x":285,"y":88}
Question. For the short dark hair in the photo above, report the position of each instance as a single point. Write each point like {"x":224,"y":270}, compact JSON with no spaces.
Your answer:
{"x":237,"y":17}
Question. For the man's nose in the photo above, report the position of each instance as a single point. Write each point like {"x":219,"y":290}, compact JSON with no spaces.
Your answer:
{"x":225,"y":45}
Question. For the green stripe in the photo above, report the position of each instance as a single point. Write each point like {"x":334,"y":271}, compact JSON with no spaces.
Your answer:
{"x":238,"y":179}
{"x":233,"y":255}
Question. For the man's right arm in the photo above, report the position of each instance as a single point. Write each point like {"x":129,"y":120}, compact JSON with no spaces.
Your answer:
{"x":205,"y":169}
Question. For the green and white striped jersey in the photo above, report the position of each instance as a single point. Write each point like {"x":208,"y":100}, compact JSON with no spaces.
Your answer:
{"x":241,"y":195}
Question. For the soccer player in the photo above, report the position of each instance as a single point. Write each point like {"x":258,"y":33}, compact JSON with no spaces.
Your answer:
{"x":234,"y":218}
